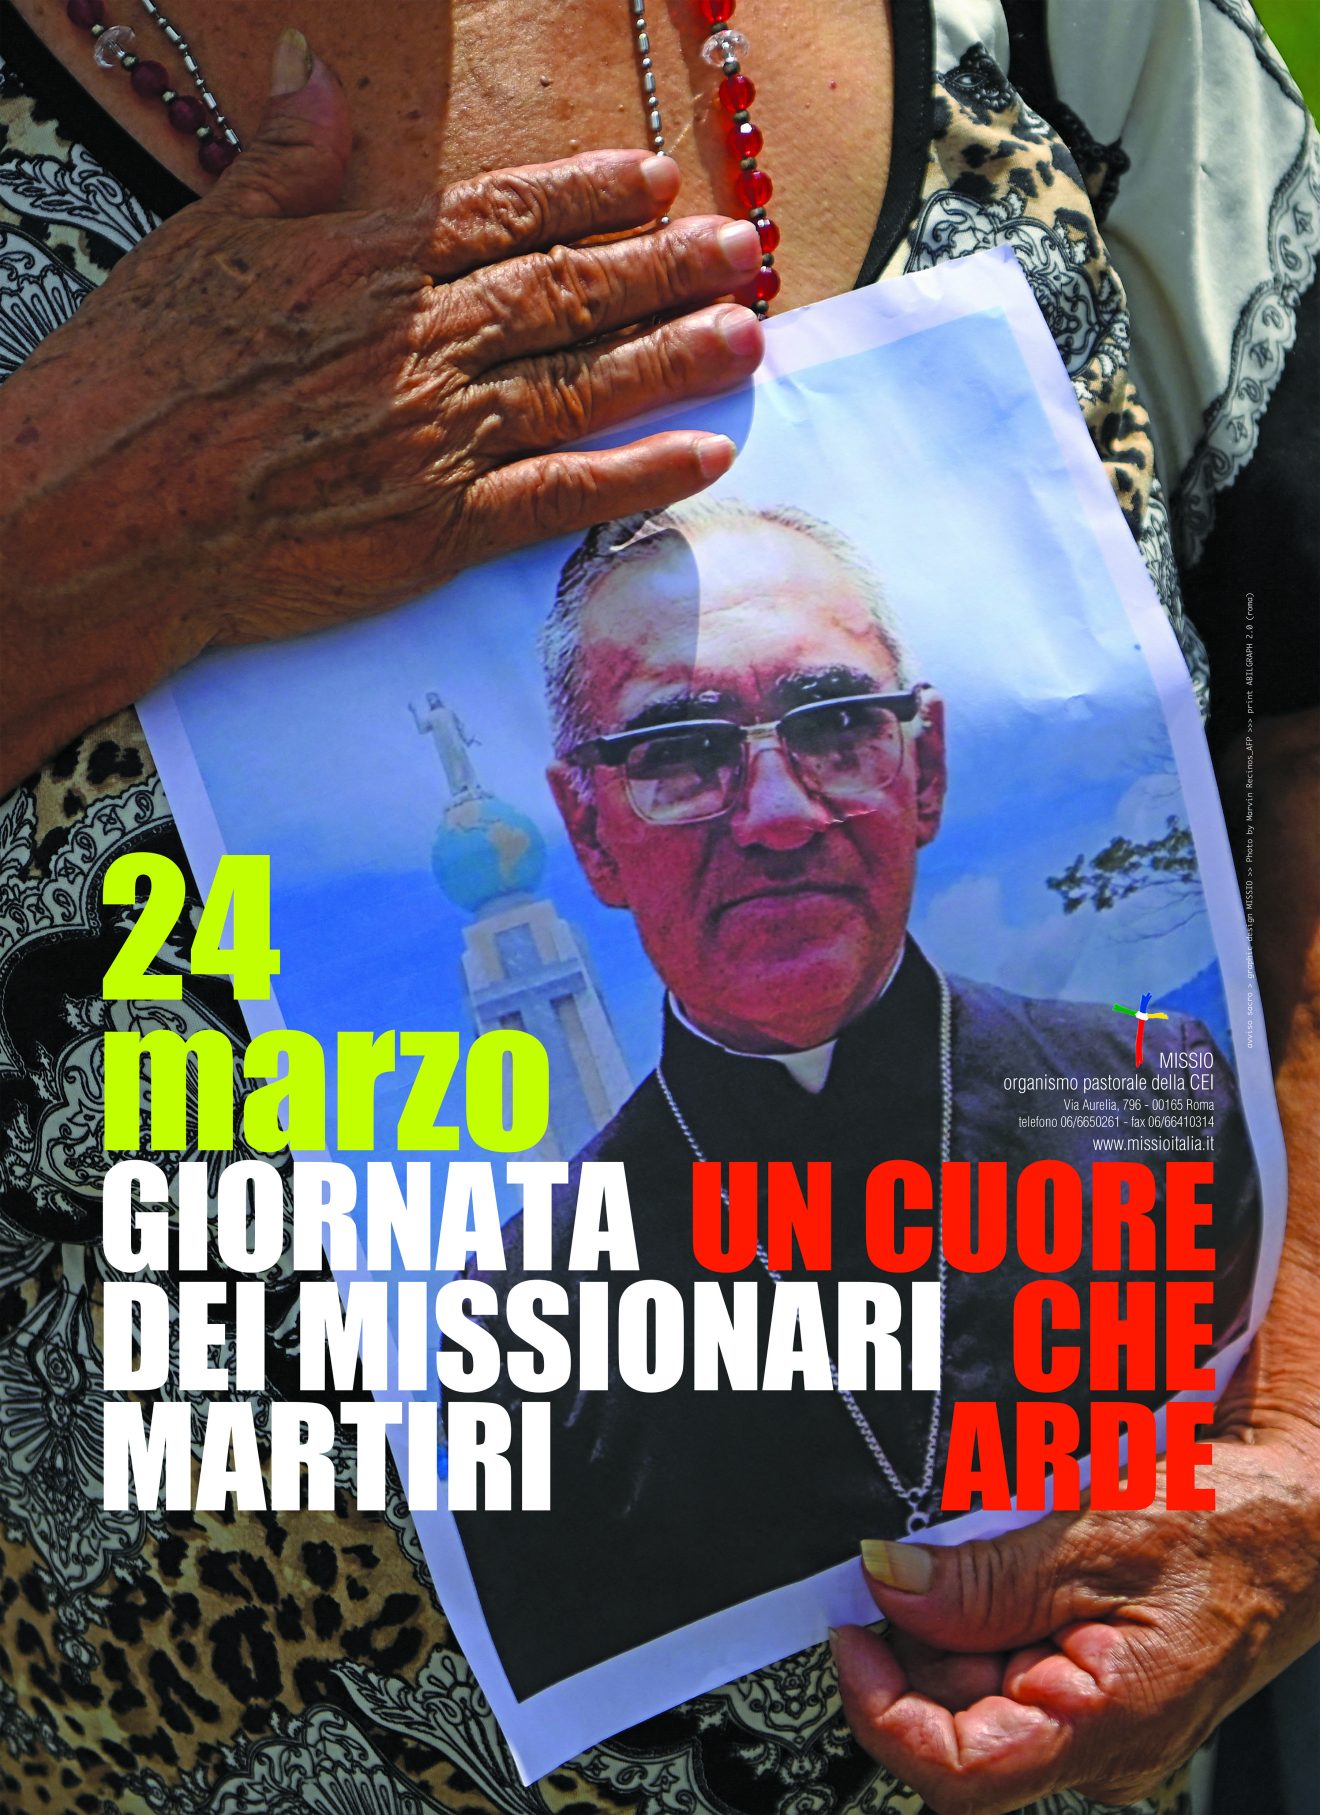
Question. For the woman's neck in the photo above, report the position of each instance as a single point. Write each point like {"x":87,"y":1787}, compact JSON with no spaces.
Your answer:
{"x":485,"y":83}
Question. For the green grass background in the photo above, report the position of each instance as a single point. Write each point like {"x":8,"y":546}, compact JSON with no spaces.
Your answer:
{"x":1294,"y":26}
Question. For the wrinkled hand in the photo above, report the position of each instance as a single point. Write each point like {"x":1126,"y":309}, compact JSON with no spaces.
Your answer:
{"x":1090,"y":1652}
{"x":273,"y":415}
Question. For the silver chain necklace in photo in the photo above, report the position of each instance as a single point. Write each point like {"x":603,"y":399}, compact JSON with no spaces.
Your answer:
{"x":916,"y":1497}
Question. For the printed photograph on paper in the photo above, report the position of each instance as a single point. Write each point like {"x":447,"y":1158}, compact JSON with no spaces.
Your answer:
{"x":845,"y":838}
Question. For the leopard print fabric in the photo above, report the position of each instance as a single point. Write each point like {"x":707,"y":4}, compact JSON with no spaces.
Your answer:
{"x":997,"y":174}
{"x":258,"y":1664}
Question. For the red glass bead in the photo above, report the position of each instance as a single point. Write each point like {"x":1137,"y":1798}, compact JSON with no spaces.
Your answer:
{"x":754,"y":188}
{"x":186,"y":114}
{"x":767,"y":284}
{"x":745,"y":140}
{"x":150,"y":80}
{"x":215,"y":155}
{"x":717,"y":12}
{"x":86,"y":13}
{"x":737,"y":92}
{"x":769,"y":233}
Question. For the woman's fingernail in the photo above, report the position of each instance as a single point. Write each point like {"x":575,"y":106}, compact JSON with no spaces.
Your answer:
{"x":714,"y":455}
{"x":740,"y":331}
{"x":905,"y":1566}
{"x":834,"y":1645}
{"x":741,"y":245}
{"x":661,"y":176}
{"x":292,"y":64}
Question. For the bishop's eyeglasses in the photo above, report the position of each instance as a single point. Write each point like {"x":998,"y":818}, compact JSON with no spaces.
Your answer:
{"x":844,"y":753}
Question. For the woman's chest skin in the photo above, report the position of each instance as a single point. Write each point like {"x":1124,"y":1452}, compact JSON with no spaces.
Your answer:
{"x":442,"y":92}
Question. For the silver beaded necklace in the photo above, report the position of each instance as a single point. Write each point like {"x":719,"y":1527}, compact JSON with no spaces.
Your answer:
{"x":916,"y":1497}
{"x":193,"y":68}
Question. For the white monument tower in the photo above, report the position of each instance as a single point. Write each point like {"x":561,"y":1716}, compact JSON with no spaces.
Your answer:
{"x":524,"y":966}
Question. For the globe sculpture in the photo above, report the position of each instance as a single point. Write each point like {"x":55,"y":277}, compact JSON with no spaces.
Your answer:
{"x":485,"y":851}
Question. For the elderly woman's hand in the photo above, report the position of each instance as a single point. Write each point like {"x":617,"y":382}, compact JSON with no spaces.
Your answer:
{"x":1091,"y":1653}
{"x":272,"y":415}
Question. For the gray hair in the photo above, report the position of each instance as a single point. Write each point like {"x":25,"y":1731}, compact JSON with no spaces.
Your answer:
{"x":627,"y":541}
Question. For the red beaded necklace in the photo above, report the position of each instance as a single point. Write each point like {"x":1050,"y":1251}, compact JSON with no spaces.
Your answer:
{"x":199,"y":117}
{"x":724,"y":50}
{"x":753,"y":187}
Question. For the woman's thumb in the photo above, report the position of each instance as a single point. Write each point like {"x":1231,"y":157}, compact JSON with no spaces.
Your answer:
{"x":997,"y":1594}
{"x":295,"y":162}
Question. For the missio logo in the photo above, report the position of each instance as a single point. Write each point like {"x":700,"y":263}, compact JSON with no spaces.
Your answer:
{"x":1142,"y":1014}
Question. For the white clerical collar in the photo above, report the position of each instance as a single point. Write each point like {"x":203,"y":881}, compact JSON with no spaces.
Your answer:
{"x":810,"y":1067}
